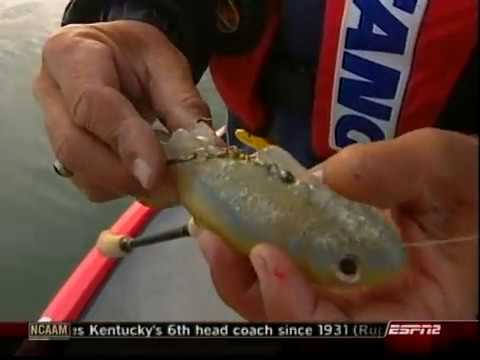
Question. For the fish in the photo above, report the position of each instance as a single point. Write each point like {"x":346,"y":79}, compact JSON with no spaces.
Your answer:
{"x":268,"y":197}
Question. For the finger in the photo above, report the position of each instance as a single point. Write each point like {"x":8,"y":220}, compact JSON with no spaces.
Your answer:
{"x":108,"y":115}
{"x":233,"y":277}
{"x":95,"y":192}
{"x":289,"y":296}
{"x":158,"y":71}
{"x":77,"y":60}
{"x":383,"y":311}
{"x":173,"y":92}
{"x":392,"y":172}
{"x":84,"y":69}
{"x":374,"y":173}
{"x":91,"y":161}
{"x":286,"y":293}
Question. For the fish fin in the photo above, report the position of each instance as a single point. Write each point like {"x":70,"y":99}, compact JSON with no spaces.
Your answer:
{"x":204,"y":133}
{"x":185,"y":142}
{"x":255,"y":142}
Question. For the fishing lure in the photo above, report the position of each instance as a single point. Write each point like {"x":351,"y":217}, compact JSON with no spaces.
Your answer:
{"x":253,"y":141}
{"x":268,"y":197}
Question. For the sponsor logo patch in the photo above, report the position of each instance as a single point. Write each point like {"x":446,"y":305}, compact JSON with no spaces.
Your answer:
{"x":374,"y":60}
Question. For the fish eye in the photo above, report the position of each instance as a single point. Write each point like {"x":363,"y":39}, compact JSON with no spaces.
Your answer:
{"x":348,"y":269}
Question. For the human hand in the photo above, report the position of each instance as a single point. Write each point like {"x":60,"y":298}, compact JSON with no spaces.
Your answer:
{"x":427,"y":183}
{"x":99,"y":86}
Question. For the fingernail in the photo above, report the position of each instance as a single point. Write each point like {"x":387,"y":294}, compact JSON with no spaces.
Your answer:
{"x":142,"y":172}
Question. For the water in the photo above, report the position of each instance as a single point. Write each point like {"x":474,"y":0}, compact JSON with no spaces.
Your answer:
{"x":46,"y":225}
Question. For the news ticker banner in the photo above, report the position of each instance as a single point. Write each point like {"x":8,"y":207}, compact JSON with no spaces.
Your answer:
{"x":468,"y":330}
{"x":202,"y":330}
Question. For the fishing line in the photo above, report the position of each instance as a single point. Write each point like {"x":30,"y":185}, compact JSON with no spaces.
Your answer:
{"x":442,"y":242}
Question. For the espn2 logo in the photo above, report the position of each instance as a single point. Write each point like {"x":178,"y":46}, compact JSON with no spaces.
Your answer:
{"x":412,"y":329}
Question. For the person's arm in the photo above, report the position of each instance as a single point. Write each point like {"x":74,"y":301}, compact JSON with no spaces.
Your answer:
{"x":189,"y":24}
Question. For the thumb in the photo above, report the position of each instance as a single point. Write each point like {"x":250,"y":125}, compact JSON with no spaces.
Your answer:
{"x":412,"y":167}
{"x":173,"y":93}
{"x":286,"y":293}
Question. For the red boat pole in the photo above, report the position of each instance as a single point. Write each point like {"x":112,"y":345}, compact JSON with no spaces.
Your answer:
{"x":75,"y":294}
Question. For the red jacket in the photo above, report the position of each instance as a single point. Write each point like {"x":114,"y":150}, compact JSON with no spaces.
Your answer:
{"x":386,"y":68}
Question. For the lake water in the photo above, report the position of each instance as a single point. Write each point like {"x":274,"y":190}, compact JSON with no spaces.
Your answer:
{"x":46,"y":226}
